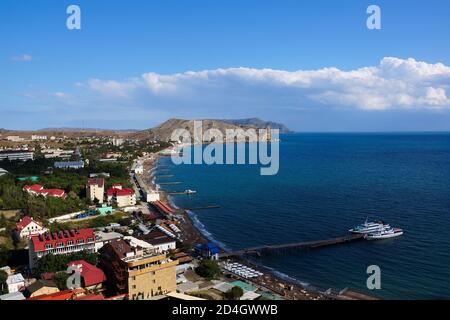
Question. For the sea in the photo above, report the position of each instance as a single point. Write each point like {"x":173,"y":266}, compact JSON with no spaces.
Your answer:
{"x":328,"y":183}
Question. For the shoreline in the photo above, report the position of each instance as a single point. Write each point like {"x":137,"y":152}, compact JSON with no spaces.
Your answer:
{"x":273,"y":280}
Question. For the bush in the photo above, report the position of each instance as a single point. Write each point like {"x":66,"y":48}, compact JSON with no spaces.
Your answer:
{"x":235,"y":293}
{"x":208,"y":269}
{"x":60,"y":279}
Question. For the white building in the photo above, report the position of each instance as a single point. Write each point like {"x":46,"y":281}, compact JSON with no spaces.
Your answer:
{"x":12,"y":155}
{"x":15,"y":282}
{"x":95,"y":189}
{"x":27,"y":227}
{"x":37,"y":137}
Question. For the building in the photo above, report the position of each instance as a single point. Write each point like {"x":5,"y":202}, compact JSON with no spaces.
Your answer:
{"x":27,"y":227}
{"x":140,"y":273}
{"x":102,"y":238}
{"x":123,"y":197}
{"x":76,"y":165}
{"x":15,"y":138}
{"x":62,"y":242}
{"x":95,"y":189}
{"x":57,"y":153}
{"x":16,"y":296}
{"x":16,"y":155}
{"x":40,"y":288}
{"x":160,"y":241}
{"x":209,"y":251}
{"x":92,"y":278}
{"x":117,"y":142}
{"x":38,"y":190}
{"x":137,"y":168}
{"x":35,"y":137}
{"x":15,"y":283}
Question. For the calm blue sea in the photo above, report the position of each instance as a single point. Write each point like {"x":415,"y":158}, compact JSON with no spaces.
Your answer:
{"x":328,"y":183}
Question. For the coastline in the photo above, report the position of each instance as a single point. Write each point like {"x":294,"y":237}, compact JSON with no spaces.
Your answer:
{"x":194,"y":232}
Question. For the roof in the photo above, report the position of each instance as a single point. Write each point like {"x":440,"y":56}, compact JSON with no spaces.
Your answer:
{"x":25,"y":221}
{"x":58,"y":296}
{"x":120,"y":247}
{"x":14,"y":151}
{"x":156,"y":237}
{"x":91,"y":296}
{"x":15,"y":278}
{"x":55,"y":192}
{"x":181,"y":296}
{"x":12,"y":296}
{"x":67,"y":164}
{"x":90,"y":274}
{"x":96,"y":182}
{"x":41,"y":284}
{"x":40,"y":241}
{"x":120,"y":192}
{"x":34,"y":187}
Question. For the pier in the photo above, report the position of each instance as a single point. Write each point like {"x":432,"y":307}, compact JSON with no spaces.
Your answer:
{"x":169,"y":183}
{"x":203,"y":208}
{"x":265,"y":250}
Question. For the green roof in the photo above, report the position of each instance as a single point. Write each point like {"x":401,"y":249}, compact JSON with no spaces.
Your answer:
{"x":244,"y":286}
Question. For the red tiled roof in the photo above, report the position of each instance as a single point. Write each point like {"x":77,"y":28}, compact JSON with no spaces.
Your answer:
{"x":58,"y":296}
{"x":96,"y":182}
{"x":39,"y":242}
{"x":55,"y":192}
{"x":120,"y":192}
{"x":35,"y":188}
{"x":90,"y":274}
{"x":91,"y":296}
{"x":23,"y":223}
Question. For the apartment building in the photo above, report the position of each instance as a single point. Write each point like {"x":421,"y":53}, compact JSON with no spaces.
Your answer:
{"x":141,"y":273}
{"x":95,"y":189}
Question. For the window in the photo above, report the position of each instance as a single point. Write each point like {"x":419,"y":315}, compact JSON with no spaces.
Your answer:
{"x":90,"y":240}
{"x":70,"y":243}
{"x":134,"y":286}
{"x":48,"y":247}
{"x":80,"y":241}
{"x":60,"y":245}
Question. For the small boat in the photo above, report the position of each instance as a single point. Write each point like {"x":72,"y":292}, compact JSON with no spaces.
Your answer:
{"x":189,"y":191}
{"x":369,"y":227}
{"x":386,"y":233}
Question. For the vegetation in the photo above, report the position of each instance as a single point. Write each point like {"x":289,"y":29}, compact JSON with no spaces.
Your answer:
{"x":56,"y":263}
{"x":60,"y":279}
{"x":208,"y":269}
{"x":3,"y":278}
{"x":235,"y":293}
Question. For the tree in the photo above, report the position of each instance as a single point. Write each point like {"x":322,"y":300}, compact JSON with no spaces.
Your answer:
{"x":60,"y":279}
{"x":3,"y":278}
{"x":235,"y":293}
{"x":208,"y":269}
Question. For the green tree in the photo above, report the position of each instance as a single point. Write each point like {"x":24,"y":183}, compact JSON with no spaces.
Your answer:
{"x":208,"y":269}
{"x":235,"y":293}
{"x":60,"y":279}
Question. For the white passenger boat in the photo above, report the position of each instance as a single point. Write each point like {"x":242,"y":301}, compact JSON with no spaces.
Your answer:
{"x":369,"y":227}
{"x":386,"y":233}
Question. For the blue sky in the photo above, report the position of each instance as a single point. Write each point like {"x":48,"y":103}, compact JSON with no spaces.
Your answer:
{"x":313,"y":65}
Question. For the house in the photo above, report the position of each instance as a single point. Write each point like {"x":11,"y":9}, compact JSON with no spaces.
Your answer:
{"x":41,"y":287}
{"x":123,"y":197}
{"x":62,"y":242}
{"x":209,"y":250}
{"x":15,"y":283}
{"x":38,"y":190}
{"x":16,"y":296}
{"x":28,"y":227}
{"x":141,"y":273}
{"x":69,"y":165}
{"x":160,"y":241}
{"x":91,"y":276}
{"x":56,"y":296}
{"x":95,"y":189}
{"x":102,"y":238}
{"x":12,"y":155}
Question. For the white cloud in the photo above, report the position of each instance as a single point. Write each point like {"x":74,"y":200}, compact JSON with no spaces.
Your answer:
{"x":23,"y":58}
{"x":393,"y":84}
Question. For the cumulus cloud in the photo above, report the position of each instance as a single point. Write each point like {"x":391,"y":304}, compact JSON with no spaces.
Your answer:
{"x":23,"y":58}
{"x":393,"y":84}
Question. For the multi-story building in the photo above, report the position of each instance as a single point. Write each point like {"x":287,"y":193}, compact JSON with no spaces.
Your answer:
{"x":35,"y":137}
{"x":140,"y":273}
{"x":22,"y":155}
{"x":123,"y":197}
{"x":27,"y":227}
{"x":95,"y":189}
{"x":62,"y":242}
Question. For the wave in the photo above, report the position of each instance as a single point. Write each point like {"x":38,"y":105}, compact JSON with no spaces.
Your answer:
{"x":202,"y":229}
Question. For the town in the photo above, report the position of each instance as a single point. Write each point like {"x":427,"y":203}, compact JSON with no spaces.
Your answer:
{"x":84,"y":205}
